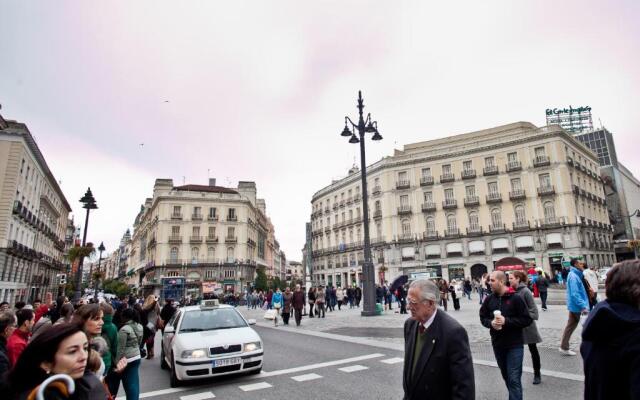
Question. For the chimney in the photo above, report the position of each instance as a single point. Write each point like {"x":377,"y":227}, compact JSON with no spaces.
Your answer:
{"x":212,"y":181}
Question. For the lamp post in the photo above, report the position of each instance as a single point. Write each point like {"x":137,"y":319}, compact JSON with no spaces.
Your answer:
{"x":88,"y":203}
{"x":95,"y":285}
{"x":364,"y":126}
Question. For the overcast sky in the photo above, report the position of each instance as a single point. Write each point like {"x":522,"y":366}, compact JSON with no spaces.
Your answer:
{"x":259,"y":90}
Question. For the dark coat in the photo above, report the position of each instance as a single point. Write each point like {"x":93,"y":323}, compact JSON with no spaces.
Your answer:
{"x":516,"y":315}
{"x":298,"y":300}
{"x":611,"y":352}
{"x":445,"y":368}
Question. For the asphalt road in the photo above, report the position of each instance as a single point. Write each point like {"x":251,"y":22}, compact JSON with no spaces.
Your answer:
{"x":309,"y":367}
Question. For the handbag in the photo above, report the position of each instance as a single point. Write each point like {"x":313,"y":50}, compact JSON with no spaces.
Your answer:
{"x":276,"y":304}
{"x":270,"y":314}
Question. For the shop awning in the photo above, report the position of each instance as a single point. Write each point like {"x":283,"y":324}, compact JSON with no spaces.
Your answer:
{"x":454,"y":248}
{"x":477,"y":246}
{"x":500,"y":243}
{"x":524,"y":241}
{"x":554,"y":238}
{"x":408,"y":252}
{"x":433,"y":249}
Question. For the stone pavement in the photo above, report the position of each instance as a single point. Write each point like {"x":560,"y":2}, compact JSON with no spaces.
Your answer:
{"x":388,"y":327}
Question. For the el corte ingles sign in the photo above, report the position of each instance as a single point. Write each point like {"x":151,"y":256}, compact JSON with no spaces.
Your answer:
{"x":570,"y":110}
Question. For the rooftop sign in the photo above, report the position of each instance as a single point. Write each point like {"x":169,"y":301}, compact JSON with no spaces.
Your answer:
{"x":570,"y":110}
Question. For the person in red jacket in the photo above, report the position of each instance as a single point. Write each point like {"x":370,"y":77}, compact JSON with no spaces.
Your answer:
{"x":20,"y":337}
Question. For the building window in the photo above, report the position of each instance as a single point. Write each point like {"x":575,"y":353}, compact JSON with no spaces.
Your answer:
{"x":448,"y":194}
{"x":177,"y":210}
{"x":402,"y":176}
{"x":231,"y":232}
{"x":489,"y":161}
{"x":406,"y":227}
{"x":232,"y":214}
{"x":496,"y":218}
{"x":404,"y":200}
{"x":467,"y":166}
{"x":512,"y":157}
{"x":446,"y":169}
{"x":230,"y":254}
{"x":493,"y":188}
{"x":211,"y":253}
{"x":209,"y":274}
{"x":173,"y":255}
{"x":426,"y":172}
{"x":175,"y":231}
{"x":195,"y":253}
{"x":195,"y":231}
{"x":212,"y":231}
{"x":470,"y":190}
{"x":545,"y":180}
{"x":540,"y":153}
{"x":452,"y":226}
{"x":428,"y":197}
{"x":377,"y":205}
{"x":520,"y":216}
{"x":197,"y":211}
{"x":172,"y":274}
{"x":516,"y":184}
{"x":474,"y":223}
{"x":549,"y":212}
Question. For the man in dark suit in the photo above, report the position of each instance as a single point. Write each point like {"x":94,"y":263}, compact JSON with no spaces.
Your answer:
{"x":437,"y":357}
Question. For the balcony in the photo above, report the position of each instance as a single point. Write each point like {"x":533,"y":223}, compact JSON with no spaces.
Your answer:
{"x":152,"y":242}
{"x":342,"y":203}
{"x":428,"y":207}
{"x":430,"y":236}
{"x":327,"y":229}
{"x":449,"y":204}
{"x":326,"y":210}
{"x":231,"y":239}
{"x":175,"y":239}
{"x":471,"y":201}
{"x":349,"y":200}
{"x":403,"y":184}
{"x":490,"y":170}
{"x":475,"y":231}
{"x":212,"y":218}
{"x":497,"y":228}
{"x":335,"y":206}
{"x":521,"y":226}
{"x":517,"y":194}
{"x":569,"y":160}
{"x":406,"y":237}
{"x":196,"y":217}
{"x":494,"y":197}
{"x":176,"y":216}
{"x":377,"y":214}
{"x":551,"y":222}
{"x":405,"y":209}
{"x":468,"y":174}
{"x":195,"y":239}
{"x":426,"y":181}
{"x":514,"y":166}
{"x":444,"y":178}
{"x":546,"y":190}
{"x":213,"y":239}
{"x":356,"y":199}
{"x":376,"y":190}
{"x":232,"y":218}
{"x":451,"y":233}
{"x":541,"y":161}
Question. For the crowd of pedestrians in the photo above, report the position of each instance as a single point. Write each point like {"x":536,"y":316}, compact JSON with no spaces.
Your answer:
{"x":98,"y":345}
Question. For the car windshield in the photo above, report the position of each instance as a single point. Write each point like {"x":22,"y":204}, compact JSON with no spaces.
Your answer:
{"x":212,"y":319}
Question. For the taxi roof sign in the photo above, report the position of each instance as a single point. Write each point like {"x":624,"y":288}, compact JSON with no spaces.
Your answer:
{"x":209,"y":303}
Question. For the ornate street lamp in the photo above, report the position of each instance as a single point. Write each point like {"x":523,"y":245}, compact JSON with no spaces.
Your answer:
{"x":95,"y":287}
{"x":88,"y":203}
{"x":368,"y":273}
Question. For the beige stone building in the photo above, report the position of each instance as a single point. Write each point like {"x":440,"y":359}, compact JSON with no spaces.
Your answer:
{"x":464,"y":205}
{"x":33,"y":218}
{"x":213,"y":236}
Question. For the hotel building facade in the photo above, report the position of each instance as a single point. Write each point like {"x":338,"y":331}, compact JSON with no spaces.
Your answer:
{"x":464,"y":205}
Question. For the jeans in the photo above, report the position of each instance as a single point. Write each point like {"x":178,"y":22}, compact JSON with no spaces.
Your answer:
{"x":297,"y":312}
{"x":481,"y":294}
{"x":572,"y":323}
{"x":131,"y":380}
{"x":543,"y":299}
{"x":510,"y":363}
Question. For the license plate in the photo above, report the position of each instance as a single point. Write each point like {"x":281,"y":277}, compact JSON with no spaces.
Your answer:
{"x":226,"y":362}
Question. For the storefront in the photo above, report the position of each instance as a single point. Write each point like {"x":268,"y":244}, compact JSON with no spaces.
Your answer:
{"x":507,"y":264}
{"x":555,"y":263}
{"x":456,"y":271}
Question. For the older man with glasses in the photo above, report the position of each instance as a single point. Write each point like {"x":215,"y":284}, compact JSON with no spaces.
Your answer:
{"x":437,"y":360}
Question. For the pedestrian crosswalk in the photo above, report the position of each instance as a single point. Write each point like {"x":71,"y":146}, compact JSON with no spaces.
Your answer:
{"x":262,"y":385}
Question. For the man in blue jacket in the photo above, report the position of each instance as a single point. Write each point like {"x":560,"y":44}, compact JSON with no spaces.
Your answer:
{"x":577,"y":303}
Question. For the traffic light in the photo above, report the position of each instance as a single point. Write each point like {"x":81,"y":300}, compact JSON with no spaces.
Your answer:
{"x":62,"y":279}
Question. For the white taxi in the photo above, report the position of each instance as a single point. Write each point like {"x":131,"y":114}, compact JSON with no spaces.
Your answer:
{"x":209,"y":340}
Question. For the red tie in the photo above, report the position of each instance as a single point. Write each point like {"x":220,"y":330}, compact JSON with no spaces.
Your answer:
{"x":421,"y":328}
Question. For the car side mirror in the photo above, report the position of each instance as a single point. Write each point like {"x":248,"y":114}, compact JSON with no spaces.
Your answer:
{"x":169,"y":329}
{"x":251,"y":321}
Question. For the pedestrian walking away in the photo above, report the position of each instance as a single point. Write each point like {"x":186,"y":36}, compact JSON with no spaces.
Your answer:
{"x":577,"y":304}
{"x":506,"y":315}
{"x":312,"y":300}
{"x":611,"y":338}
{"x":437,"y":356}
{"x":287,"y":299}
{"x":276,"y":303}
{"x":543,"y":285}
{"x":591,"y":278}
{"x":320,"y":302}
{"x":531,"y":336}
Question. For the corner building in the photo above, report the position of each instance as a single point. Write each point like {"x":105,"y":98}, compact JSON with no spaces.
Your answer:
{"x":464,"y":205}
{"x":215,"y":237}
{"x":33,"y":218}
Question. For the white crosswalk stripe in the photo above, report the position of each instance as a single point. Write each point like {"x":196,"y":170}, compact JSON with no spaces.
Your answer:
{"x":306,"y":377}
{"x":353,"y":368}
{"x":198,"y":396}
{"x":394,"y":360}
{"x":255,"y":386}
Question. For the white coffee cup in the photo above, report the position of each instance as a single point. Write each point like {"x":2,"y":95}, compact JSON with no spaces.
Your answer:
{"x":497,"y":313}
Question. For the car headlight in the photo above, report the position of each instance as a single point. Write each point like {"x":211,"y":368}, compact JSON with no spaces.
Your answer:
{"x":253,"y":346}
{"x":198,"y":353}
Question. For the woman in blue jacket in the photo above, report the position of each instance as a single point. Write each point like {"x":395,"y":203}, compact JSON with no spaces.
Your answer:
{"x":276,"y":303}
